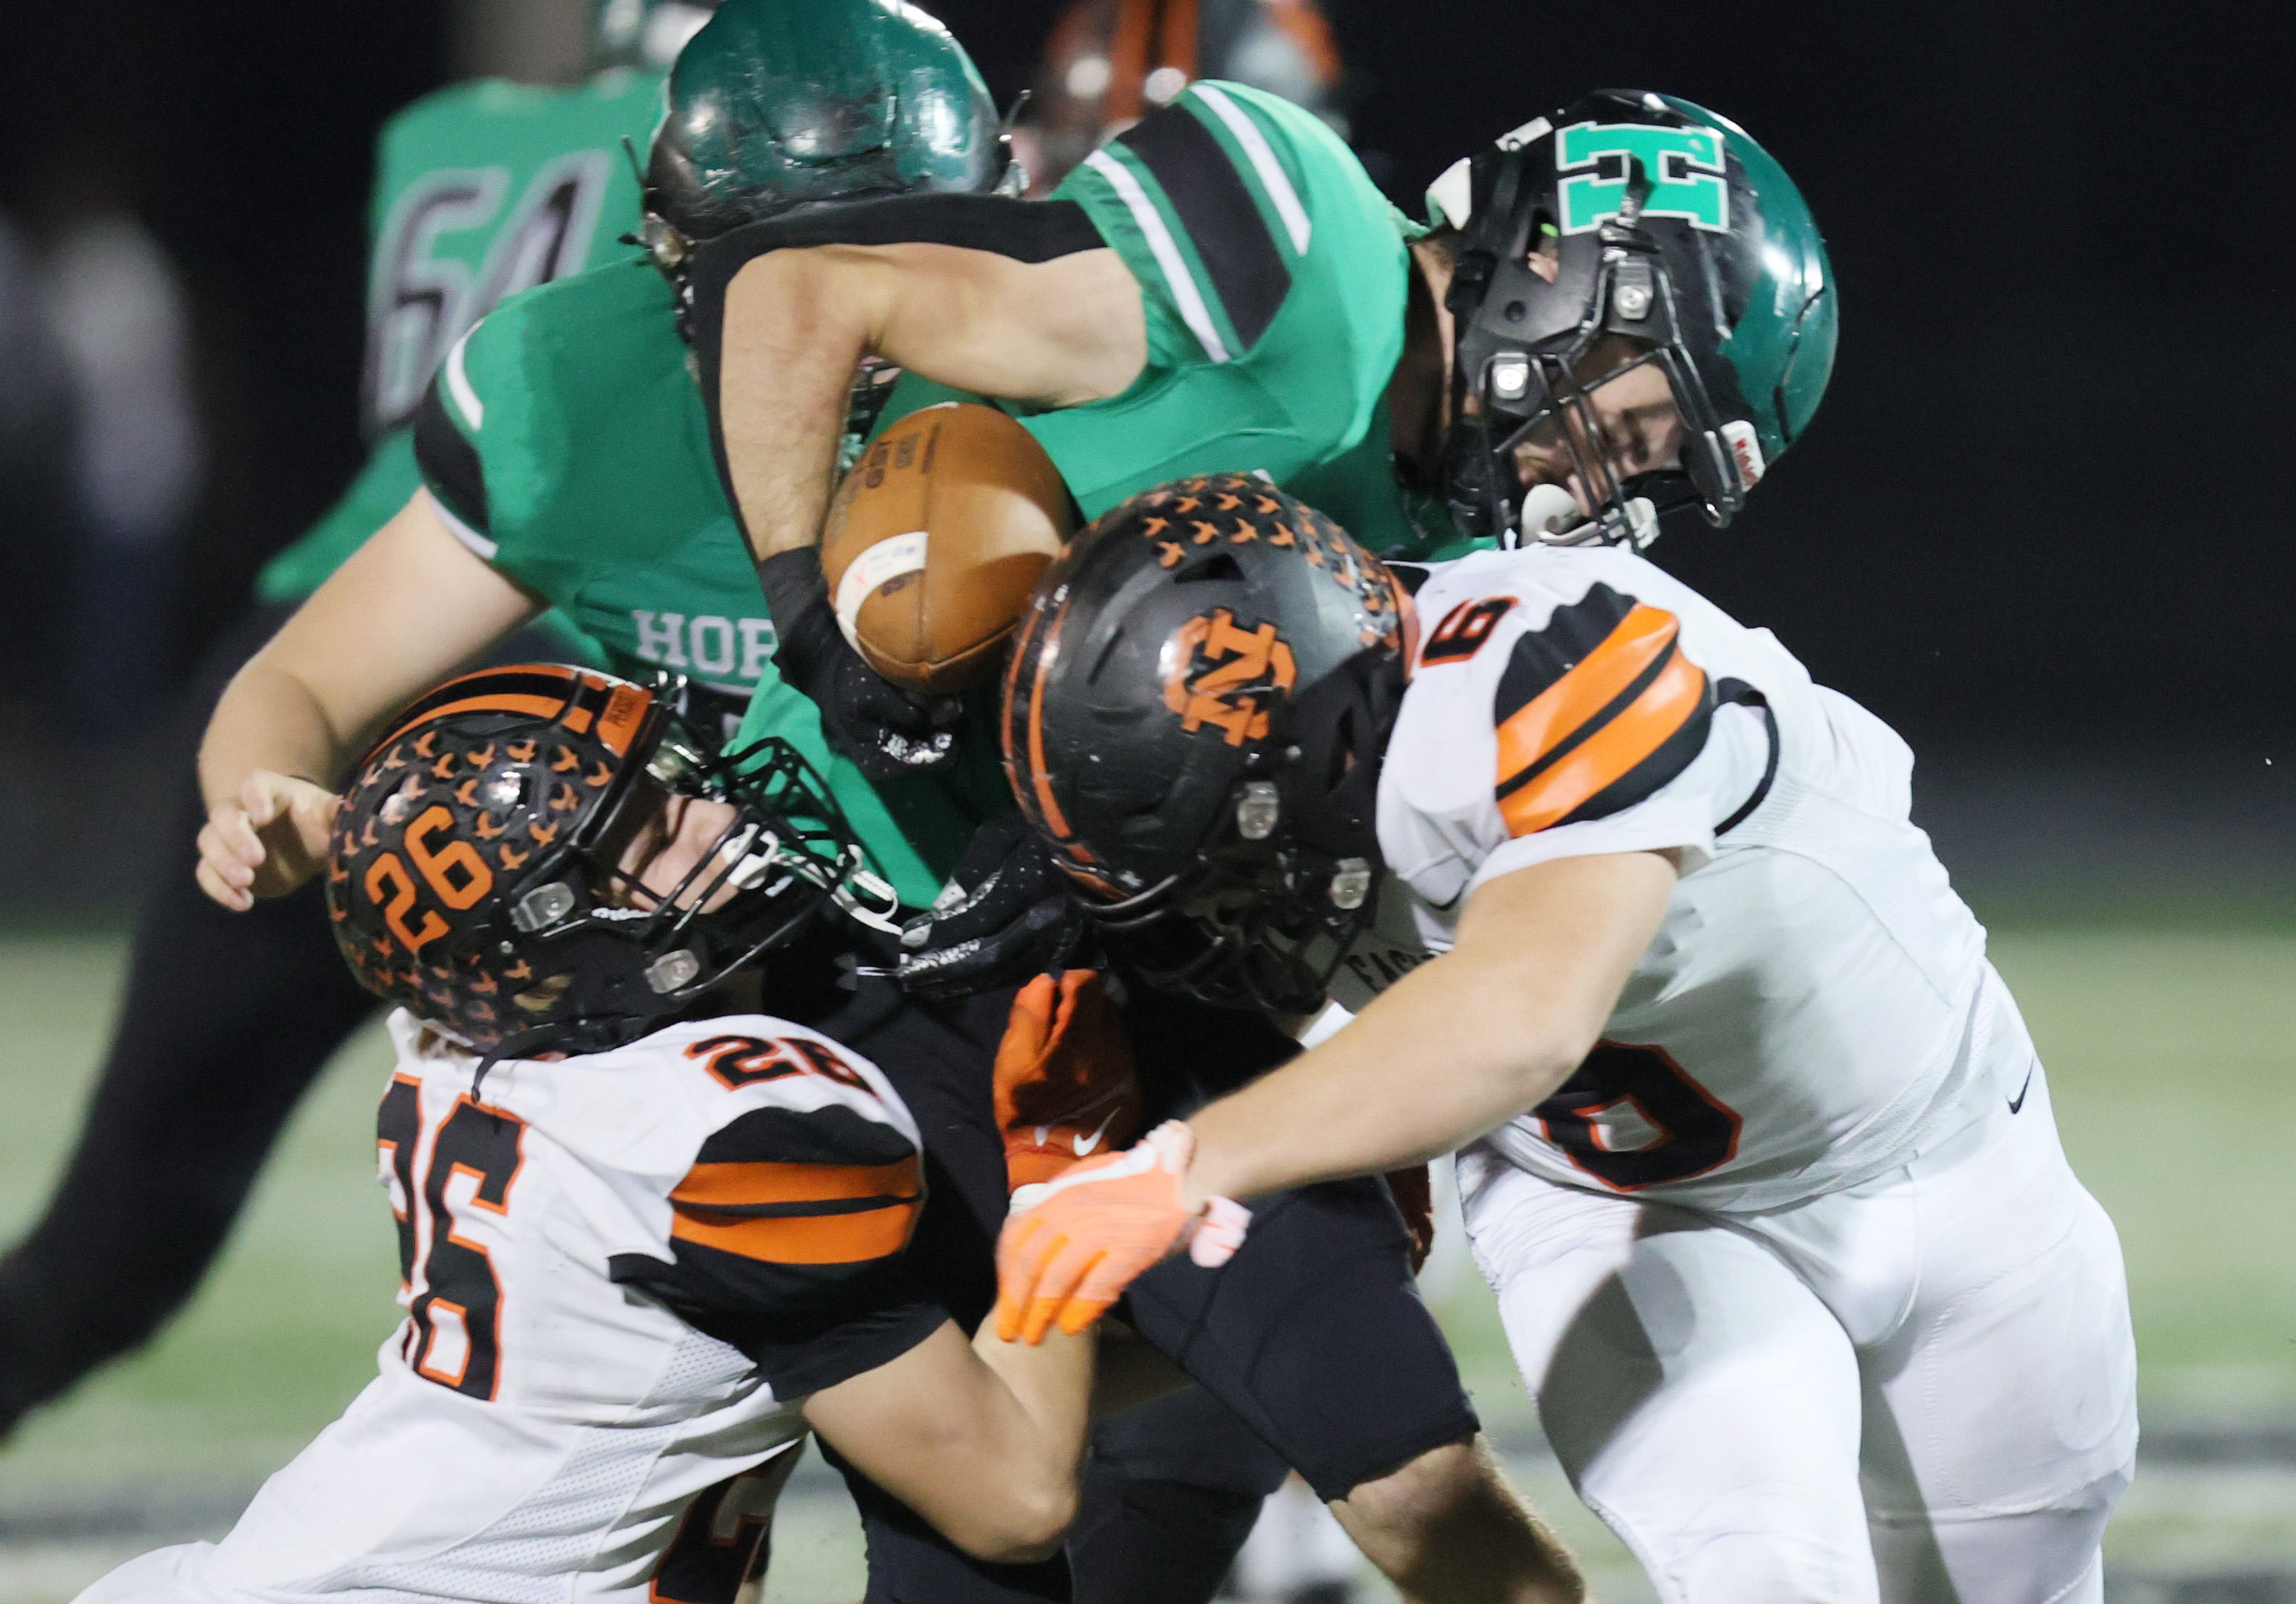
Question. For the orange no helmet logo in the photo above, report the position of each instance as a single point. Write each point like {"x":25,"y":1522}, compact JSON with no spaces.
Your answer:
{"x":1218,"y":674}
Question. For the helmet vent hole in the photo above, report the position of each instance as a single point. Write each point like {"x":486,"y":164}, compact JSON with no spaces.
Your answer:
{"x":1342,"y":755}
{"x":1220,"y":565}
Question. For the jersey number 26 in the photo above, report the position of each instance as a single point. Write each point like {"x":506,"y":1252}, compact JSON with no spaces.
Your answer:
{"x":453,"y":1332}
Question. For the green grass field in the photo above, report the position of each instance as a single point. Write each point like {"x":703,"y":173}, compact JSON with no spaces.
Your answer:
{"x":2172,"y":1057}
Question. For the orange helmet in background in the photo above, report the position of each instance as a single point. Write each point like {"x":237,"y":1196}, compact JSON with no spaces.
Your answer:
{"x":1111,"y":62}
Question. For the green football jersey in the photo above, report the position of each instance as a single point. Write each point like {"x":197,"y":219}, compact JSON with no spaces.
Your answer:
{"x":566,"y":442}
{"x":481,"y":190}
{"x":1274,"y":277}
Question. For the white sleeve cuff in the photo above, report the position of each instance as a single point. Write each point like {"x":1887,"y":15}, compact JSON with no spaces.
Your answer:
{"x":478,"y":543}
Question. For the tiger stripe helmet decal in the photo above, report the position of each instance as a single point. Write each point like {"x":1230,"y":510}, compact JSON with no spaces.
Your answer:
{"x":474,"y":873}
{"x":1596,"y":711}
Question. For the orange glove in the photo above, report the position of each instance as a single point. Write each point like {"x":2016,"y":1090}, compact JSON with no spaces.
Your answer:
{"x":1414,"y":1191}
{"x":1078,"y":1241}
{"x":1066,"y":1087}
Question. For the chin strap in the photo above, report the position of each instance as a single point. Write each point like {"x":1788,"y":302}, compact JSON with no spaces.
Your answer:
{"x":848,"y":892}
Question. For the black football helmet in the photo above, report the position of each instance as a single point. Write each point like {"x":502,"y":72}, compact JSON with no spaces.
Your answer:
{"x":473,"y":877}
{"x":1194,"y":716}
{"x":1644,"y":217}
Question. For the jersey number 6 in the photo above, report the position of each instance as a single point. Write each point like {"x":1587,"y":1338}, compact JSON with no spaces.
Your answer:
{"x":454,"y":1314}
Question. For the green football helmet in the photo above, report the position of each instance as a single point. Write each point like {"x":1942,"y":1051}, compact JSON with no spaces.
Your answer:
{"x":643,"y":33}
{"x":779,"y":105}
{"x":1640,"y":215}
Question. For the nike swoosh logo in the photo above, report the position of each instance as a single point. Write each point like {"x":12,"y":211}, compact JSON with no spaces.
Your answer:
{"x":2017,"y":1101}
{"x":1085,"y":1144}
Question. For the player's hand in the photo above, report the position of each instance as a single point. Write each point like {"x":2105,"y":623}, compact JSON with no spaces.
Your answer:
{"x":265,"y":841}
{"x":1079,"y":1240}
{"x":1005,"y":915}
{"x":1414,"y":1191}
{"x":883,"y":730}
{"x":1066,"y":1086}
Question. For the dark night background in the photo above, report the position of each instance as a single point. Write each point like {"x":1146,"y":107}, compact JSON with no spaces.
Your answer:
{"x":2037,"y":514}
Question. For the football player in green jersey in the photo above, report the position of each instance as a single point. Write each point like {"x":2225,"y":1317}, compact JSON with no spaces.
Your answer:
{"x":562,"y":452}
{"x":481,"y":190}
{"x":1221,"y":288}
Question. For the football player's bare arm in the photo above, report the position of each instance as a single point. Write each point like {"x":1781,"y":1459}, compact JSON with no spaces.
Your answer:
{"x":1055,"y":334}
{"x":983,"y":1441}
{"x":410,"y":607}
{"x":1457,"y":1047}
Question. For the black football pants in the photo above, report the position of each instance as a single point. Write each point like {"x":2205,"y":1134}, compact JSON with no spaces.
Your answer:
{"x":1310,"y":1349}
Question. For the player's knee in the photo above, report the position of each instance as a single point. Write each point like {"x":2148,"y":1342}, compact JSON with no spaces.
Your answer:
{"x":1439,"y":1488}
{"x":1450,"y":1525}
{"x":1759,"y":1567}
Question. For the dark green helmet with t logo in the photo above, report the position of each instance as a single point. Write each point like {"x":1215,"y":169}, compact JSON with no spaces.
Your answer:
{"x":778,"y":105}
{"x":1628,"y":229}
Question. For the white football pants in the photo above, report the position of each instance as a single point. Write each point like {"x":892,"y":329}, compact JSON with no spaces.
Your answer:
{"x":1921,"y":1390}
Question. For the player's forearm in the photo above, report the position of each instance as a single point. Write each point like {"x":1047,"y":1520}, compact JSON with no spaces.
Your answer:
{"x":1029,"y":1438}
{"x":1401,"y":1085}
{"x":1051,"y":1388}
{"x":1056,"y":333}
{"x":1459,"y":1046}
{"x":795,"y":328}
{"x":405,"y":611}
{"x":266,"y":719}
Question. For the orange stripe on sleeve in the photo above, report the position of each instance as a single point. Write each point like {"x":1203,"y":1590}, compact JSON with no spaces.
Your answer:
{"x":800,"y":1239}
{"x":1667,"y":704}
{"x":727,"y":1186}
{"x":1557,"y":713}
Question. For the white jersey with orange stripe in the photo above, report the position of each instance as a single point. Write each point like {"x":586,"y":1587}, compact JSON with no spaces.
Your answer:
{"x":1817,"y":1007}
{"x":623,"y":1272}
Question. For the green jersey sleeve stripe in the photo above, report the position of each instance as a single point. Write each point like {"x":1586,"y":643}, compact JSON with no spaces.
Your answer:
{"x":1185,"y":293}
{"x":480,"y":546}
{"x":1272,"y":176}
{"x":458,"y":383}
{"x":453,"y":473}
{"x":1219,"y":221}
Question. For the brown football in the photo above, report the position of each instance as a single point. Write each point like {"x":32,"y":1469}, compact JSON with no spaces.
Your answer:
{"x":936,"y":541}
